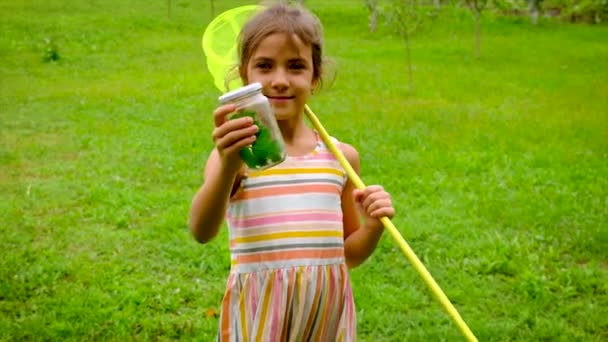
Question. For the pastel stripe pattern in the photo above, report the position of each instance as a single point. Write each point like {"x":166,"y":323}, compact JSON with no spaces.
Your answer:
{"x":289,"y":280}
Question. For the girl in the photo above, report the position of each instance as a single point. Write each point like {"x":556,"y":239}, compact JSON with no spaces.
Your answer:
{"x":295,"y":228}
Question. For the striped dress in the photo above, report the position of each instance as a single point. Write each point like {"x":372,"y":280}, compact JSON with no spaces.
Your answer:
{"x":289,"y":280}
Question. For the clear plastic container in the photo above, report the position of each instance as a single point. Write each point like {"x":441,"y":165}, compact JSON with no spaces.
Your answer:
{"x":268,"y":149}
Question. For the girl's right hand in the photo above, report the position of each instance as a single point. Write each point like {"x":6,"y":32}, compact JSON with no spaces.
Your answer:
{"x":231,"y":135}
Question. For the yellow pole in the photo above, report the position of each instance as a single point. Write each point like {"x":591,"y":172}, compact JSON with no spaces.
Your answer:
{"x":388,"y":225}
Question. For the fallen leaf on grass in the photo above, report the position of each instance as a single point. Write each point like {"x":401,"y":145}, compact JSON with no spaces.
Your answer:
{"x":211,"y":313}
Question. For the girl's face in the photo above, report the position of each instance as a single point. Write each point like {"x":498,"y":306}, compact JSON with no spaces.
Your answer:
{"x":284,"y":67}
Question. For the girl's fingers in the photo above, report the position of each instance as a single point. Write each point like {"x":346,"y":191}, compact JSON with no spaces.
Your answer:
{"x":357,"y":194}
{"x":237,"y":146}
{"x":232,"y":135}
{"x":381,"y":208}
{"x":225,"y":137}
{"x":375,"y":201}
{"x":378,"y":204}
{"x":230,"y":126}
{"x":373,"y":197}
{"x":220,"y":114}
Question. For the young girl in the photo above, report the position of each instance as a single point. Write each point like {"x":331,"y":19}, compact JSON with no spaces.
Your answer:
{"x":295,"y":228}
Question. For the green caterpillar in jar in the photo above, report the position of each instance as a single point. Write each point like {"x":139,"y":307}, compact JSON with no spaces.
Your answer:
{"x":265,"y":150}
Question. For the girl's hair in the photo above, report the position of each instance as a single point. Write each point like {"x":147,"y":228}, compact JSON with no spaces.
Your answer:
{"x":282,"y":18}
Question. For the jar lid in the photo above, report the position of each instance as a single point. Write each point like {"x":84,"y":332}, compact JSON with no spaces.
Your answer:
{"x":245,"y":91}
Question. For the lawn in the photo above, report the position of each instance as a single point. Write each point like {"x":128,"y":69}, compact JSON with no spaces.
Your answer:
{"x":498,"y":168}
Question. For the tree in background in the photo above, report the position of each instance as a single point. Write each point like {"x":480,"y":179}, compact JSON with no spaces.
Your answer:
{"x":372,"y":6}
{"x":592,"y":11}
{"x":534,"y":9}
{"x":437,"y":4}
{"x":477,"y":7}
{"x":405,"y":18}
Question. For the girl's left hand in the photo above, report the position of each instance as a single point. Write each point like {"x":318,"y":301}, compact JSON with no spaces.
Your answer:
{"x":374,"y":203}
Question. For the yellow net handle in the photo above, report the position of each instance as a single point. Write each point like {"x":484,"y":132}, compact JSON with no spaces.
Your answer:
{"x":388,"y":225}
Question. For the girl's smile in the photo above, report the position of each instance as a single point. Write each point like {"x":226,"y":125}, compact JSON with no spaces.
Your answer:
{"x":278,"y":101}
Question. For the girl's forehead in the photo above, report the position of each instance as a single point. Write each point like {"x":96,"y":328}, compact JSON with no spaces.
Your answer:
{"x":283,"y":43}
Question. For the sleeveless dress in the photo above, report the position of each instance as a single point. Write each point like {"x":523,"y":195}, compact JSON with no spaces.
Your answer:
{"x":288,"y":280}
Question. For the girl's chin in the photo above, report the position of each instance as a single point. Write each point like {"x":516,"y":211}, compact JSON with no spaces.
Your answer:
{"x":283,"y":117}
{"x":283,"y":114}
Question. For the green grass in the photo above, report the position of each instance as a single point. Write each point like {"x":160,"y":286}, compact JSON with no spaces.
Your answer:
{"x":498,"y":167}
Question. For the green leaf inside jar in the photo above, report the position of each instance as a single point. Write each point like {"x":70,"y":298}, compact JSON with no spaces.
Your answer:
{"x":264,"y":150}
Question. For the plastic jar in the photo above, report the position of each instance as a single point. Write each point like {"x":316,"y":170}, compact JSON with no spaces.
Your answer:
{"x":268,"y":148}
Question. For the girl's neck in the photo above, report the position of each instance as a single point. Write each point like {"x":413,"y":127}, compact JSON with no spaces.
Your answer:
{"x":299,"y":138}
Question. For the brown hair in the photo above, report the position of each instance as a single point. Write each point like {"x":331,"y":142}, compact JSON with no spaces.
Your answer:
{"x":282,"y":18}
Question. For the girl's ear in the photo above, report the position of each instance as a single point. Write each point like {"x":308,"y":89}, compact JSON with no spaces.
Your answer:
{"x":315,"y":85}
{"x":243,"y":73}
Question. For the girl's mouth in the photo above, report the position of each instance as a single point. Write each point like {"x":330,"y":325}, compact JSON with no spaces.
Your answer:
{"x":281,"y":97}
{"x":280,"y":100}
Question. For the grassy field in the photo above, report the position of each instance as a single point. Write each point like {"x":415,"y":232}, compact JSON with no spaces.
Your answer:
{"x":498,"y":167}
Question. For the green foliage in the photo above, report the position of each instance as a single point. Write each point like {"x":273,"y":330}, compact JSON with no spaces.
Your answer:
{"x":476,"y":6}
{"x":497,"y":169}
{"x":506,"y":6}
{"x":266,"y":150}
{"x":594,"y":11}
{"x":405,"y":17}
{"x":50,"y":52}
{"x":591,"y":11}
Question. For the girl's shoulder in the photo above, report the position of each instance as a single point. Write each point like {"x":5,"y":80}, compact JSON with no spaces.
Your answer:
{"x":350,"y":152}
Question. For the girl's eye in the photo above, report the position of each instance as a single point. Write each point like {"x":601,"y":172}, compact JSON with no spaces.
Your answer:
{"x":297,"y":66}
{"x":263,"y":66}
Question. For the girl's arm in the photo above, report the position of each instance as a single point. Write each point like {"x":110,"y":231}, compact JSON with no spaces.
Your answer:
{"x":221,"y":173}
{"x":209,"y":203}
{"x":361,"y":211}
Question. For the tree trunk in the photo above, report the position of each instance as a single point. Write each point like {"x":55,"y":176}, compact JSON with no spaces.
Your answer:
{"x":437,"y":4}
{"x":477,"y":33}
{"x":533,"y":7}
{"x":372,"y":7}
{"x":410,"y":73}
{"x":373,"y":21}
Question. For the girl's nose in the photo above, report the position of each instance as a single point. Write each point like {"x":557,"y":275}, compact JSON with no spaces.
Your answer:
{"x":279,"y":80}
